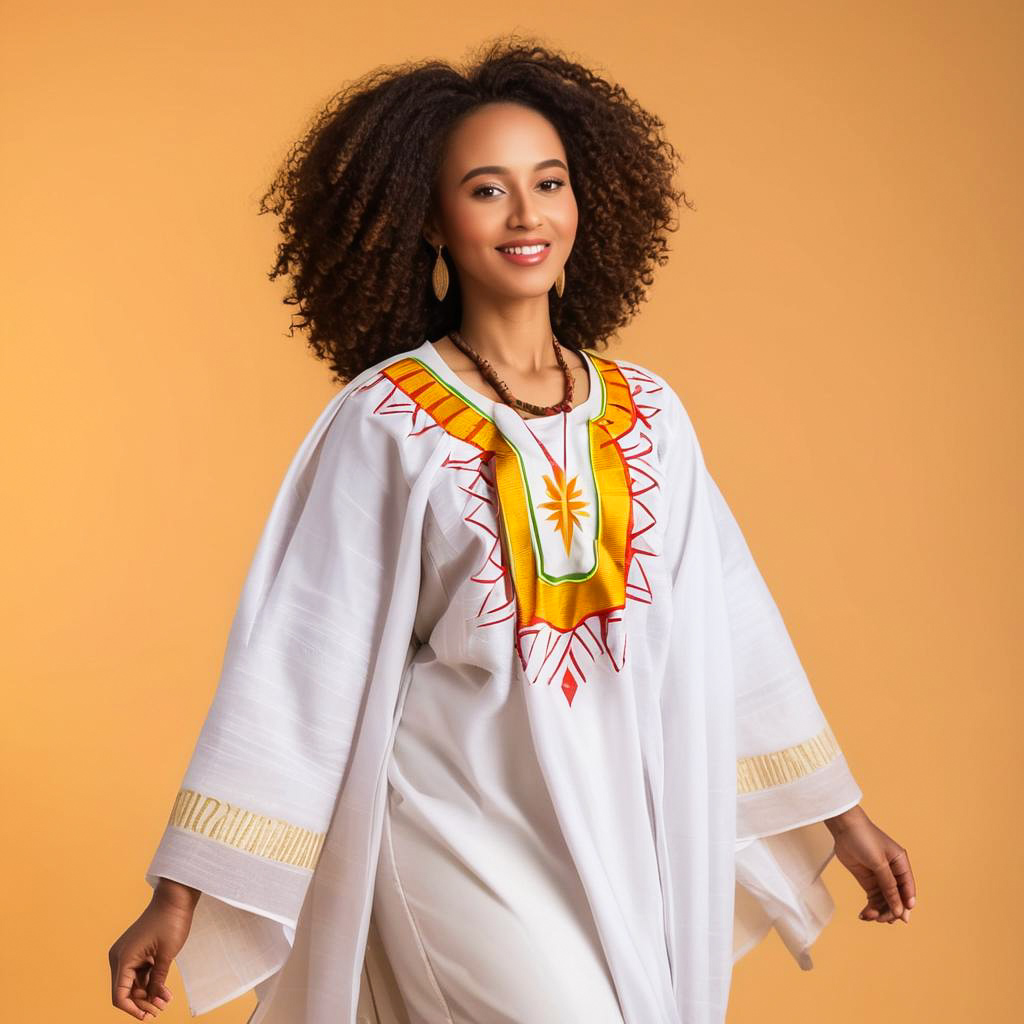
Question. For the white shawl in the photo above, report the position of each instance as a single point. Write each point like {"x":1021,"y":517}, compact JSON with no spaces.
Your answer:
{"x":278,"y":819}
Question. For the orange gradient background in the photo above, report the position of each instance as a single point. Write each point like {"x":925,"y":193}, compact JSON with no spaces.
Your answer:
{"x":841,"y":316}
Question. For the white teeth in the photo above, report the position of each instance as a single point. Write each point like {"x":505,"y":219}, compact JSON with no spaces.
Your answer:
{"x":522,"y":250}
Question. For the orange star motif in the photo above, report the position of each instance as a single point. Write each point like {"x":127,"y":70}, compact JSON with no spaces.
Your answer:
{"x":565,"y":504}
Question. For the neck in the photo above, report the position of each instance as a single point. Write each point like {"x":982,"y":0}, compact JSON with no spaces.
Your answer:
{"x":521,"y":344}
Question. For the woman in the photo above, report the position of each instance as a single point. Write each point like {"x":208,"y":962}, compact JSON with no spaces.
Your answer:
{"x":509,"y":727}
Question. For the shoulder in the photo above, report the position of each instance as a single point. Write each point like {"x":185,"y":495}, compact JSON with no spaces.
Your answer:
{"x":372,"y":417}
{"x":359,"y":400}
{"x":365,"y":380}
{"x":655,"y":396}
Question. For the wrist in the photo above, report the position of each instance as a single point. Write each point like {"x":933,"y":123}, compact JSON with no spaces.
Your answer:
{"x":176,"y":894}
{"x":841,"y":822}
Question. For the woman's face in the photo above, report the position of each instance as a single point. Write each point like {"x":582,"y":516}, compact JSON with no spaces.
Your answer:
{"x":504,"y":179}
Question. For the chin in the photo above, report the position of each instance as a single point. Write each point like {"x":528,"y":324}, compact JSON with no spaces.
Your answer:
{"x":517,"y":290}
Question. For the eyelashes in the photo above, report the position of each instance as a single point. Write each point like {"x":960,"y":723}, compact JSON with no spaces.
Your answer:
{"x":555,"y":181}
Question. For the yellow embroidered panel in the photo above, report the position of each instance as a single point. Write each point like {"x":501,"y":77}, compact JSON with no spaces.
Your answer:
{"x":766,"y":770}
{"x":245,"y":830}
{"x":603,"y":589}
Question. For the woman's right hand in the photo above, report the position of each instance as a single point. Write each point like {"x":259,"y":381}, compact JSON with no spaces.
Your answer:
{"x":142,"y":956}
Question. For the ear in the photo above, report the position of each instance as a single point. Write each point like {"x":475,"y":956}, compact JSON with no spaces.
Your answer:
{"x":431,"y":234}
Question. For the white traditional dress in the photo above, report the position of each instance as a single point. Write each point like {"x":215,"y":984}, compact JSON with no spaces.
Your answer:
{"x":609,"y":731}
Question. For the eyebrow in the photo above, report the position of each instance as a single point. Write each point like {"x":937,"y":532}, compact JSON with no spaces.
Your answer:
{"x":497,"y":169}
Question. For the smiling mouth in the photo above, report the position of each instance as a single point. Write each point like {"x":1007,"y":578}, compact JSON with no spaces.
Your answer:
{"x":524,"y":250}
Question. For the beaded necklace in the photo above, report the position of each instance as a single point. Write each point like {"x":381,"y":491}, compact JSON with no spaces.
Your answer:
{"x":492,"y":378}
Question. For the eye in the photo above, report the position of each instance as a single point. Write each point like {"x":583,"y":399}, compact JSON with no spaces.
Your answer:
{"x":481,"y":189}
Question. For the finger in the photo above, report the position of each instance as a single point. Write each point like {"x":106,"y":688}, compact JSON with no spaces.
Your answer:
{"x":876,"y":900}
{"x":121,"y":996}
{"x":140,"y":990}
{"x":142,"y":1000}
{"x":157,"y":987}
{"x":163,"y":997}
{"x":878,"y":909}
{"x":890,"y":888}
{"x":157,"y":1001}
{"x":905,"y":878}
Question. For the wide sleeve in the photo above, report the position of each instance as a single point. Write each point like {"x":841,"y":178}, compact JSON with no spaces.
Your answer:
{"x":791,"y":773}
{"x":250,"y":819}
{"x":790,"y":768}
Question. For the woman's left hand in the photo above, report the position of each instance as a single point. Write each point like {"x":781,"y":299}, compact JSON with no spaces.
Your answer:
{"x":879,"y":864}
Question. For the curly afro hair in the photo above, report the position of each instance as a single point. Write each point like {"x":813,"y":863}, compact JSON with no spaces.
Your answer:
{"x":355,"y":192}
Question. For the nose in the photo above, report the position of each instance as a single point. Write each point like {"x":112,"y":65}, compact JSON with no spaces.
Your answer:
{"x":523,"y":212}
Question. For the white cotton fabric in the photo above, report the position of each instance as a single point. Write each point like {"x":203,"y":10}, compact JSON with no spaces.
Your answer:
{"x":381,"y":554}
{"x":480,"y":909}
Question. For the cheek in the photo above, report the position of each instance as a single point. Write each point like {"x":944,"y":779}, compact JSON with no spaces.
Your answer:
{"x":473,"y":224}
{"x":567,"y":216}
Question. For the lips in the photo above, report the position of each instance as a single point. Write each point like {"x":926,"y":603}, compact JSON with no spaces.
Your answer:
{"x":526,"y":259}
{"x":520,"y":242}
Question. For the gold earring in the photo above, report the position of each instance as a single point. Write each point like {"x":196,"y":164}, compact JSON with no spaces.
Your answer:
{"x":560,"y":282}
{"x":440,"y":276}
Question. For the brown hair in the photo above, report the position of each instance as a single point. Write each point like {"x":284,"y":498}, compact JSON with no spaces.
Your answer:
{"x":354,"y":194}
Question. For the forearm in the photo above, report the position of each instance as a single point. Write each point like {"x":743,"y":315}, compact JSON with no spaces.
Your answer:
{"x":854,"y":815}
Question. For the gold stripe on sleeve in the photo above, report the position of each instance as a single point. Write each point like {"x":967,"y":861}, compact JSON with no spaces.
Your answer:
{"x":788,"y":765}
{"x":245,"y":830}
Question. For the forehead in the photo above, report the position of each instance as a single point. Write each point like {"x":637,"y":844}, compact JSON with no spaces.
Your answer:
{"x":502,"y":133}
